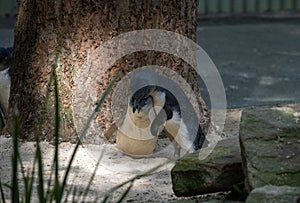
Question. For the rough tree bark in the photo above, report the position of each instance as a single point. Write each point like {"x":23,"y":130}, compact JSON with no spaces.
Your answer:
{"x":77,"y":26}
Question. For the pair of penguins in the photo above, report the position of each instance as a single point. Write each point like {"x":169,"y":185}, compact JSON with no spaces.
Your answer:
{"x":170,"y":117}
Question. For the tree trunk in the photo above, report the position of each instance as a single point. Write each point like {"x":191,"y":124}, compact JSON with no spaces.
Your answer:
{"x":73,"y":29}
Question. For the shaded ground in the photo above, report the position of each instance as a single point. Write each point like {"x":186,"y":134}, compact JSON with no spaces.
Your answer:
{"x":113,"y":170}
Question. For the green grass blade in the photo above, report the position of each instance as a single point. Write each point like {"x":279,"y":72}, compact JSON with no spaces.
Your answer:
{"x":68,"y":193}
{"x":92,"y":177}
{"x":125,"y":193}
{"x":105,"y":198}
{"x":27,"y":180}
{"x":41,"y":192}
{"x":15,"y":156}
{"x":147,"y":173}
{"x":56,"y":135}
{"x":56,"y":191}
{"x":236,"y":188}
{"x":31,"y":181}
{"x":74,"y":194}
{"x":48,"y":191}
{"x":83,"y":133}
{"x":55,"y":167}
{"x":57,"y":187}
{"x":2,"y":192}
{"x":51,"y":196}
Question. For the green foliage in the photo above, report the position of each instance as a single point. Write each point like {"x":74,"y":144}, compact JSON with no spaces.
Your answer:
{"x":48,"y":193}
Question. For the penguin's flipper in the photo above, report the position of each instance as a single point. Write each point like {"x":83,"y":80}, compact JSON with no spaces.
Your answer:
{"x":109,"y":134}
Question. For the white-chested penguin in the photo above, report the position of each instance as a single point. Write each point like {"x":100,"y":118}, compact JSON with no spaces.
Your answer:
{"x":5,"y":62}
{"x":169,"y":117}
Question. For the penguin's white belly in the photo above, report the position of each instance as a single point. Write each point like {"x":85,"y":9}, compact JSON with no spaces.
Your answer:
{"x":138,"y":125}
{"x":178,"y":130}
{"x":173,"y":126}
{"x":134,"y":136}
{"x":5,"y":89}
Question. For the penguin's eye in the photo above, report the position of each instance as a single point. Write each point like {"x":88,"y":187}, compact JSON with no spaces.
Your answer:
{"x":145,"y":101}
{"x":140,"y":101}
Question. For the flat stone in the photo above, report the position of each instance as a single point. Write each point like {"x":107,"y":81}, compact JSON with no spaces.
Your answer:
{"x":218,"y":172}
{"x":270,"y":145}
{"x":278,"y":194}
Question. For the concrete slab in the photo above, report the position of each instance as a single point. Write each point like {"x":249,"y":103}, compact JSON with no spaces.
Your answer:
{"x":6,"y":32}
{"x":258,"y":60}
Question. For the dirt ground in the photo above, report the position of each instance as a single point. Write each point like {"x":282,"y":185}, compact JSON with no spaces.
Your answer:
{"x":114,"y":168}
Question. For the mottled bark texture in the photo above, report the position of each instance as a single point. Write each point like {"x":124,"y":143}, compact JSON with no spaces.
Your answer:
{"x":78,"y":26}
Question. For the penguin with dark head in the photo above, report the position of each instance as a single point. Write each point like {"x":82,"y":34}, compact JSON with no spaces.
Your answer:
{"x":169,"y":117}
{"x":141,"y":99}
{"x":5,"y":74}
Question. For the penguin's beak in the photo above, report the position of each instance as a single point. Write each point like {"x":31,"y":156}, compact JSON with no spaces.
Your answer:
{"x":133,"y":110}
{"x":135,"y":107}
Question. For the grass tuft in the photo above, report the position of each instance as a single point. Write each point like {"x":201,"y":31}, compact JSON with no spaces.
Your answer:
{"x":48,"y":193}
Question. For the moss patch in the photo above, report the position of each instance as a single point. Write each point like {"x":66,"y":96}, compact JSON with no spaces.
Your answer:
{"x":270,"y":143}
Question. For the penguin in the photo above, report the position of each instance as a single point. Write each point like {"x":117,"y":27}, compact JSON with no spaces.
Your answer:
{"x":4,"y":94}
{"x":5,"y":81}
{"x":169,"y":117}
{"x":5,"y":53}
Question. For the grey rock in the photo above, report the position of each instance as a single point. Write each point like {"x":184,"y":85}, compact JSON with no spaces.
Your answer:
{"x":270,"y":145}
{"x":218,"y":172}
{"x":276,"y":194}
